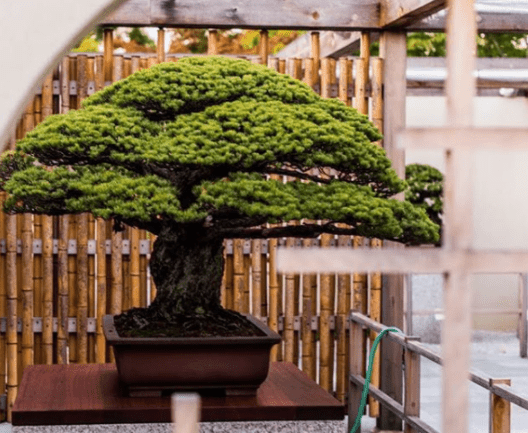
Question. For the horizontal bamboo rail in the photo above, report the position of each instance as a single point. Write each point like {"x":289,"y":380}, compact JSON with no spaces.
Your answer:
{"x":501,"y":394}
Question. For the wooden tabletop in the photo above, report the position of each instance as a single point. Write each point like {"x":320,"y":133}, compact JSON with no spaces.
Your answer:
{"x":90,"y":394}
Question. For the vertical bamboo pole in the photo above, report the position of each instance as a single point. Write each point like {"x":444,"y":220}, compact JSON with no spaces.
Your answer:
{"x":27,"y":270}
{"x":500,"y":410}
{"x":47,"y":249}
{"x":238,"y":277}
{"x":273,"y":322}
{"x":117,"y":273}
{"x":82,"y":238}
{"x":264,"y":47}
{"x":212,"y":42}
{"x":63,"y":283}
{"x":275,"y":285}
{"x":375,"y":278}
{"x":72,"y":259}
{"x":357,"y":339}
{"x":343,"y":280}
{"x":327,"y":280}
{"x":134,"y":268}
{"x":160,"y":46}
{"x":90,"y":76}
{"x":47,"y":293}
{"x":37,"y":107}
{"x":229,"y":278}
{"x":62,"y":256}
{"x":309,"y":285}
{"x":100,"y":342}
{"x":3,"y":296}
{"x":264,"y":281}
{"x":82,"y":288}
{"x":12,"y":300}
{"x":315,"y":54}
{"x":256,"y":277}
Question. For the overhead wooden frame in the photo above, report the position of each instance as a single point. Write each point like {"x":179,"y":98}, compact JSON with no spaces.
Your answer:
{"x":401,"y":13}
{"x":268,"y":14}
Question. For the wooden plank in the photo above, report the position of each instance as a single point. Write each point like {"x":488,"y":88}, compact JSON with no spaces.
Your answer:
{"x":269,"y":14}
{"x":412,"y":385}
{"x":500,"y":410}
{"x":89,"y":394}
{"x":418,"y":260}
{"x":464,"y":138}
{"x":509,"y":19}
{"x":135,"y":12}
{"x":401,"y":13}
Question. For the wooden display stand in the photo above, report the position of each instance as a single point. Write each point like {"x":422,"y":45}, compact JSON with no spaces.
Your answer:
{"x":90,"y":394}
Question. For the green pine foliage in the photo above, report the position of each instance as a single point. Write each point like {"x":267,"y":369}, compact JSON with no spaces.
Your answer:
{"x":196,"y":142}
{"x":425,"y":189}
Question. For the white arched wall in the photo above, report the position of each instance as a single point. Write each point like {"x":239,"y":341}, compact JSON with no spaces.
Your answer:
{"x":34,"y":35}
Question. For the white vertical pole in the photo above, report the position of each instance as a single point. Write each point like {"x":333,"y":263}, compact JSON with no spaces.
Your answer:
{"x":186,"y":409}
{"x":456,"y":332}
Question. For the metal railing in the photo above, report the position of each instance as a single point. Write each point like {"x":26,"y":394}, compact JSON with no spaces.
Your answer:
{"x":409,"y":412}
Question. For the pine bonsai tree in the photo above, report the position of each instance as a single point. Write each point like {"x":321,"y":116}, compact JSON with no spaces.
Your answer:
{"x":185,"y":151}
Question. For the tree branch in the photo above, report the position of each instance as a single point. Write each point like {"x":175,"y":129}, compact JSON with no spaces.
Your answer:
{"x":301,"y":231}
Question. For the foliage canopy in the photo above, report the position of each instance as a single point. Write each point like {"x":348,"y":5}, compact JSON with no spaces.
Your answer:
{"x":195,"y":143}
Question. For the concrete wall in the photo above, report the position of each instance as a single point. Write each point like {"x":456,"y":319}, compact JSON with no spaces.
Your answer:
{"x":500,"y":209}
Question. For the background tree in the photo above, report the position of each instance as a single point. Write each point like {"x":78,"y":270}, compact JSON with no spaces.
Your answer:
{"x":185,"y":151}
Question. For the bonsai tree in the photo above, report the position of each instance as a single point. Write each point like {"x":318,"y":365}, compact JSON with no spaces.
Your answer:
{"x":425,"y":189}
{"x":185,"y":150}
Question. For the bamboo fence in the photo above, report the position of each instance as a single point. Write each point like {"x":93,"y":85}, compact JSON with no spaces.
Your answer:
{"x":60,"y":275}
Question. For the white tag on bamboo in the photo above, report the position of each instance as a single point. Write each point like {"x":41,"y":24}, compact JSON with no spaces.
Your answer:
{"x":186,"y":410}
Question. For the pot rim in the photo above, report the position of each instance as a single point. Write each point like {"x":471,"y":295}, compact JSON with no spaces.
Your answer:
{"x":112,"y":337}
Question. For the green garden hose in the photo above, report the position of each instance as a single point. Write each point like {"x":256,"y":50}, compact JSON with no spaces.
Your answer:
{"x":369,"y":373}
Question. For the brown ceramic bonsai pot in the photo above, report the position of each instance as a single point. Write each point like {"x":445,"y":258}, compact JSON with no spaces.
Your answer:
{"x":152,"y":366}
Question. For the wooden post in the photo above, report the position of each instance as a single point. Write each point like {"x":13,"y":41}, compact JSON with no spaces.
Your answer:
{"x":160,"y":46}
{"x":65,"y":85}
{"x":457,"y":231}
{"x":357,"y":359}
{"x":186,"y":410}
{"x":264,"y":47}
{"x":393,"y":49}
{"x":212,"y":42}
{"x":108,"y":56}
{"x":500,"y":410}
{"x":315,"y":54}
{"x":412,"y":385}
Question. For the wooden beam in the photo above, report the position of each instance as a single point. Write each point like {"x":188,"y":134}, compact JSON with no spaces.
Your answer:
{"x":401,"y":13}
{"x":132,"y":12}
{"x":503,"y":139}
{"x":408,"y":260}
{"x":490,"y":19}
{"x":267,"y":14}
